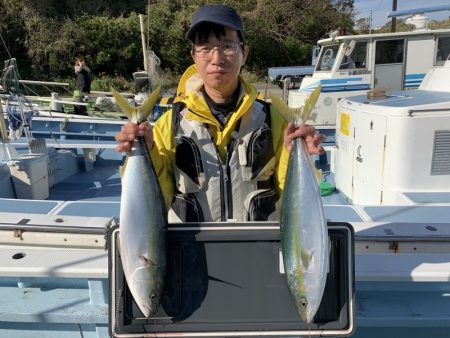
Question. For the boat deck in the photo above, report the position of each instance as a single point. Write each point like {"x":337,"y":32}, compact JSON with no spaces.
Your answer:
{"x":54,"y":267}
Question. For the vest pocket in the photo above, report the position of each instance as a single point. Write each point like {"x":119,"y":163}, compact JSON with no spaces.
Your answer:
{"x":259,"y":162}
{"x":189,"y":171}
{"x":260,"y":205}
{"x":187,"y":208}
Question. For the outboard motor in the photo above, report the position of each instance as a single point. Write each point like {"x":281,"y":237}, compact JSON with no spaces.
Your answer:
{"x":141,"y":81}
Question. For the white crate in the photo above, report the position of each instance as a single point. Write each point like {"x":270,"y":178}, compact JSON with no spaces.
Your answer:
{"x":30,"y":176}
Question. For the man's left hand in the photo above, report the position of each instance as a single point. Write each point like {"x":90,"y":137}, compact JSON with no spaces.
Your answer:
{"x":312,"y":139}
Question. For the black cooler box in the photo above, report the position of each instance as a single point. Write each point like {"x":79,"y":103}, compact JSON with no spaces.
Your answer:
{"x":226,"y":280}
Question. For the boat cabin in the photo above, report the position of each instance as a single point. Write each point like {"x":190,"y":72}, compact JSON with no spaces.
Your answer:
{"x":353,"y":64}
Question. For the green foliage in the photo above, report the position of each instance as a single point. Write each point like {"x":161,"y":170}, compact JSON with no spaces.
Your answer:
{"x":444,"y":24}
{"x":249,"y":76}
{"x":46,"y":35}
{"x":169,"y":79}
{"x":105,"y":82}
{"x":110,"y":44}
{"x":401,"y":26}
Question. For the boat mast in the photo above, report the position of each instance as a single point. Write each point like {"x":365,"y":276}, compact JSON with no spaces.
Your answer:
{"x":144,"y":45}
{"x":394,"y":19}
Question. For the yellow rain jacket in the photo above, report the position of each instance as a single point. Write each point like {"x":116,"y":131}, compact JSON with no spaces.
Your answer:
{"x":163,"y":151}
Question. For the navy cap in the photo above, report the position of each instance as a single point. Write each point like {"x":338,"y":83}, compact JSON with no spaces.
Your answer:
{"x":219,"y":14}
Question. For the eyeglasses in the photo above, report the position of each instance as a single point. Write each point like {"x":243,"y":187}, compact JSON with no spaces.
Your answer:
{"x":205,"y":52}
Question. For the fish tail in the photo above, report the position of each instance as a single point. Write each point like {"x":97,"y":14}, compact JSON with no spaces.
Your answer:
{"x":146,"y":108}
{"x":300,"y":114}
{"x":137,"y":114}
{"x":126,"y":107}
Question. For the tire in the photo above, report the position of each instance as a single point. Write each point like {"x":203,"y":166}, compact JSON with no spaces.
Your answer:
{"x":291,"y":83}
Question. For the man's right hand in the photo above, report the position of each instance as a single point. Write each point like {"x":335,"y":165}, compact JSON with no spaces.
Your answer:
{"x":130,"y":131}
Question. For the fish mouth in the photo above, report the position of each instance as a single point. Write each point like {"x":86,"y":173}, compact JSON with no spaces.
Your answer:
{"x":146,"y":311}
{"x":149,"y":310}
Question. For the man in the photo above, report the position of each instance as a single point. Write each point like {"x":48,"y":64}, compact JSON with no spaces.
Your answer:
{"x":82,"y":71}
{"x":220,"y":154}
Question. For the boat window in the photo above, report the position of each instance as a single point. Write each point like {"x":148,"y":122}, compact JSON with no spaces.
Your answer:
{"x":327,"y":57}
{"x":357,"y":58}
{"x":389,"y":51}
{"x":315,"y":55}
{"x":443,"y":50}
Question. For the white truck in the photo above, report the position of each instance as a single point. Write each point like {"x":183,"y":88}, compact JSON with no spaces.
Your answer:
{"x":277,"y":75}
{"x":295,"y":74}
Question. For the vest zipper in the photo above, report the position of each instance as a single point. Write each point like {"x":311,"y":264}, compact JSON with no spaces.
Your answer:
{"x":224,"y":188}
{"x":197,"y":156}
{"x":251,"y":143}
{"x":223,"y":173}
{"x":226,"y":192}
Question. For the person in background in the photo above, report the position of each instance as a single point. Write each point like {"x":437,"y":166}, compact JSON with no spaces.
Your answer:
{"x":83,"y":71}
{"x":220,"y":154}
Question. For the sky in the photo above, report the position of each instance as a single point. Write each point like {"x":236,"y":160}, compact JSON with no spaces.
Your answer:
{"x":380,"y":8}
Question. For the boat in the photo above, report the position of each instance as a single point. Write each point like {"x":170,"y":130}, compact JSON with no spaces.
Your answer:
{"x":57,"y":206}
{"x":391,"y":166}
{"x":350,"y":65}
{"x":99,"y":104}
{"x":389,"y":159}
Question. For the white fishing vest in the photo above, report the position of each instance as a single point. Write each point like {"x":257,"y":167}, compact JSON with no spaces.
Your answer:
{"x":241,"y":188}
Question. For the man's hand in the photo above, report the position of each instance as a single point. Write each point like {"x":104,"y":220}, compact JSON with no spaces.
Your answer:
{"x":130,"y":131}
{"x":312,"y":139}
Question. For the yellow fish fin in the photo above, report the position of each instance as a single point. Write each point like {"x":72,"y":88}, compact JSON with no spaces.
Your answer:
{"x":126,"y":107}
{"x":310,"y":103}
{"x":147,"y":107}
{"x":300,"y":114}
{"x":289,"y":114}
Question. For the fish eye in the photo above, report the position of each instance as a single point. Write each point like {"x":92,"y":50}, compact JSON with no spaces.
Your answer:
{"x":152,"y":296}
{"x":303,"y":303}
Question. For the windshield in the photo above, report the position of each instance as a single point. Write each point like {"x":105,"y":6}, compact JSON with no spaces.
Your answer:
{"x":327,"y":57}
{"x":355,"y":57}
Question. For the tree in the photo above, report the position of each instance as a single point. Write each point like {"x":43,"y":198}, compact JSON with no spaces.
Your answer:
{"x":363,"y":25}
{"x":53,"y":32}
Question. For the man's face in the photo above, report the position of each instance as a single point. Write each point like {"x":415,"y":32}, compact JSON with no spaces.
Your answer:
{"x":220,"y":68}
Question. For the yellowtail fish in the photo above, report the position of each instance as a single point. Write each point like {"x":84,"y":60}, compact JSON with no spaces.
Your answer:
{"x":143,"y":217}
{"x":304,"y":234}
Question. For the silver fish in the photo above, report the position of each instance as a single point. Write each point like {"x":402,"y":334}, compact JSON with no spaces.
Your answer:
{"x":143,"y":218}
{"x":304,"y":234}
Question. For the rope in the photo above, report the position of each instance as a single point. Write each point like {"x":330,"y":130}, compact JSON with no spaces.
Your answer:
{"x":20,"y":113}
{"x":4,"y":44}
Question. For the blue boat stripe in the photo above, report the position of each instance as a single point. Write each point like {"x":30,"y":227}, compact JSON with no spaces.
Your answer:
{"x":344,"y":84}
{"x":327,"y":89}
{"x":329,"y":85}
{"x":336,"y":81}
{"x":414,"y":76}
{"x":413,"y":81}
{"x":345,"y":89}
